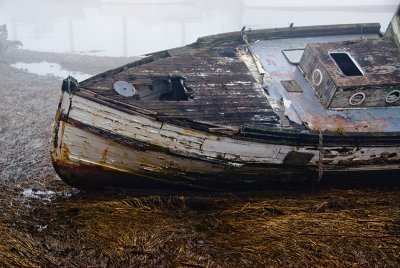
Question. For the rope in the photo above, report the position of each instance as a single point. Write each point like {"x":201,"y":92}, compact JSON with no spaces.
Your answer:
{"x":320,"y":163}
{"x":70,"y":96}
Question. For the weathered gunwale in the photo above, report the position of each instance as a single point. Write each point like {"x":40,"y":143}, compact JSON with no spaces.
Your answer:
{"x":277,"y":33}
{"x":270,"y":134}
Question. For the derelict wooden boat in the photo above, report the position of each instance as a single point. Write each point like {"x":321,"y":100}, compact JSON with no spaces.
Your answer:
{"x":239,"y":108}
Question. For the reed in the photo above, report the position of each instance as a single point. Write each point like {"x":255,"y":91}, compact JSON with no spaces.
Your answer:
{"x":296,"y":228}
{"x":324,"y":228}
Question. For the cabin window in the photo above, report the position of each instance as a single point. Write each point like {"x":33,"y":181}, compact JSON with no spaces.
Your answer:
{"x":346,"y":63}
{"x":393,"y":96}
{"x":357,"y":99}
{"x":293,"y":55}
{"x":317,"y":77}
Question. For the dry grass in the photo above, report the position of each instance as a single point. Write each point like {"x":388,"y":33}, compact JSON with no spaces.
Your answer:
{"x":329,"y":229}
{"x":337,"y":228}
{"x":323,"y":227}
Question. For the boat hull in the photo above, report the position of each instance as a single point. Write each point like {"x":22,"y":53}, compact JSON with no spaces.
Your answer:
{"x":89,"y":161}
{"x":96,"y":146}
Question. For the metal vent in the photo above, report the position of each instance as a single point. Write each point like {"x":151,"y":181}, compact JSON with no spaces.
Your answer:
{"x":124,"y":88}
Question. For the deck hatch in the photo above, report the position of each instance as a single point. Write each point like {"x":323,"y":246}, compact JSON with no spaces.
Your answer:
{"x":346,"y":63}
{"x":293,"y":55}
{"x":291,"y":86}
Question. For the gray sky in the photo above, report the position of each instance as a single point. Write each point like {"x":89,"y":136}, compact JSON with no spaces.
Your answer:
{"x":134,"y":27}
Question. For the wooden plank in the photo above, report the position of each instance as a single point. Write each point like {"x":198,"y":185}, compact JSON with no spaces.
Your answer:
{"x":291,"y":86}
{"x":224,"y":89}
{"x":173,"y":138}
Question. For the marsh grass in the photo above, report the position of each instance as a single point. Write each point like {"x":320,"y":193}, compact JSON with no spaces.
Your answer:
{"x":280,"y":228}
{"x":328,"y":228}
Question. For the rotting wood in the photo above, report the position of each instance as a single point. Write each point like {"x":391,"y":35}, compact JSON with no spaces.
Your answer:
{"x":291,"y":86}
{"x":305,"y":31}
{"x":229,"y":130}
{"x":195,"y":144}
{"x":221,"y":84}
{"x":378,"y":60}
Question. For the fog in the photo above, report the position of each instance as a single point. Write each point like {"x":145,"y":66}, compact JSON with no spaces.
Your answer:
{"x":46,"y":223}
{"x":136,"y":27}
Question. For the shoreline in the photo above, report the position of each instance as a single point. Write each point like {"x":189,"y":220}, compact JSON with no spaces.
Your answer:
{"x":45,"y":222}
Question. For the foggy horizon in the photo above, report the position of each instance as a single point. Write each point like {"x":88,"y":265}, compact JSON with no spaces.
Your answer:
{"x":134,"y":27}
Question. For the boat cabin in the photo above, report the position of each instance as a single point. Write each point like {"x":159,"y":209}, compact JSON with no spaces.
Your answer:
{"x":354,"y":74}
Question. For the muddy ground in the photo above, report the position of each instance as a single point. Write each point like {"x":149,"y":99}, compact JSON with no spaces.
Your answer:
{"x":45,"y":223}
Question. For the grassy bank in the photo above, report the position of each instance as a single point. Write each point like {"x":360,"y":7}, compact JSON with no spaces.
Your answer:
{"x":46,"y":223}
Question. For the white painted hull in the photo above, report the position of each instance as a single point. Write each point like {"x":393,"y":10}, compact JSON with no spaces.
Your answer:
{"x":95,"y":145}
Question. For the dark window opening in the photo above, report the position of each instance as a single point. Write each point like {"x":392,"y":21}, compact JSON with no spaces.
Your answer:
{"x":177,"y":90}
{"x":228,"y":52}
{"x":159,"y":88}
{"x":346,"y":64}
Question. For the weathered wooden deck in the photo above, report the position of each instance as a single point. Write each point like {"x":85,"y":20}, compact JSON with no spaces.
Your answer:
{"x":224,"y":90}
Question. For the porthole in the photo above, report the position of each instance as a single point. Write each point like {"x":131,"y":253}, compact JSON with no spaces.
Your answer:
{"x":317,"y":77}
{"x":393,"y":96}
{"x":357,"y":99}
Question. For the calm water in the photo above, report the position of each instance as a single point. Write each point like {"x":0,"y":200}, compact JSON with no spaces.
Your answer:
{"x":135,"y":27}
{"x":49,"y":68}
